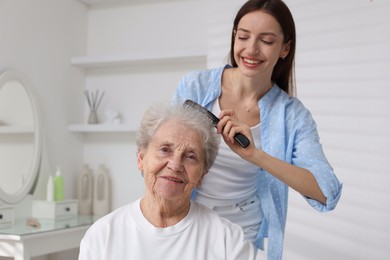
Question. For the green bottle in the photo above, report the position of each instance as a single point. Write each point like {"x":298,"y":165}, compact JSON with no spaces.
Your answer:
{"x":58,"y":186}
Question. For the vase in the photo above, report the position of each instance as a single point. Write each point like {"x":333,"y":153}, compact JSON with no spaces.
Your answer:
{"x":101,"y":192}
{"x":93,"y":117}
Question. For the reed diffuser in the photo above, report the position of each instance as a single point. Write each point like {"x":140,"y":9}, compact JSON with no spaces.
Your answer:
{"x":94,"y":98}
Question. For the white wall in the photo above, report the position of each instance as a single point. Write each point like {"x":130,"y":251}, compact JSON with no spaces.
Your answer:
{"x":220,"y":29}
{"x":342,"y":69}
{"x":149,"y":28}
{"x":38,"y":38}
{"x":343,"y":60}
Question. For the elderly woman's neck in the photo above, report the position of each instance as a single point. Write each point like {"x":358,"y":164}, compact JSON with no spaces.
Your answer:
{"x":163,"y":213}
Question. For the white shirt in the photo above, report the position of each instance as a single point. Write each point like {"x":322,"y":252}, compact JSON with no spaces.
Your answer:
{"x":127,"y":234}
{"x":224,"y":182}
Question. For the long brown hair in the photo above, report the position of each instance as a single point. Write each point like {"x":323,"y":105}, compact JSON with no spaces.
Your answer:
{"x":283,"y":74}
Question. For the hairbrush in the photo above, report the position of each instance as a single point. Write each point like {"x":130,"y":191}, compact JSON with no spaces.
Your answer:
{"x":240,"y":138}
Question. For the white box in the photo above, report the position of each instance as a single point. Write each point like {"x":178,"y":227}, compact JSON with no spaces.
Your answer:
{"x":54,"y":209}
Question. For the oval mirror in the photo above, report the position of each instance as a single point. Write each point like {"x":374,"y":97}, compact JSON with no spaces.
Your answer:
{"x":20,"y":137}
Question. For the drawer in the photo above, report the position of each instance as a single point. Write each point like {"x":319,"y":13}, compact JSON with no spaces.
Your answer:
{"x":6,"y":215}
{"x":54,"y":209}
{"x":66,"y":209}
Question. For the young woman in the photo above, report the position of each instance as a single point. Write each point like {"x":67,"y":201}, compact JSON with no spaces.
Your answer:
{"x":254,"y":96}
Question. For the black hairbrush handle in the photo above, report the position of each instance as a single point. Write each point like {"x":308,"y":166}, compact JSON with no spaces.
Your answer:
{"x":240,"y":138}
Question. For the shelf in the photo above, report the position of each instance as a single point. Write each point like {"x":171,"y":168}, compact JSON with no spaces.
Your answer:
{"x":16,"y":130}
{"x":138,"y":59}
{"x":101,"y":128}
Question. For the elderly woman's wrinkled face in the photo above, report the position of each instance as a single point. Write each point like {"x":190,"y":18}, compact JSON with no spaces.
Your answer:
{"x":173,"y":163}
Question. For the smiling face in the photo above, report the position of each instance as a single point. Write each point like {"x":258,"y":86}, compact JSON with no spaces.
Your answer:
{"x":258,"y":44}
{"x":173,"y":162}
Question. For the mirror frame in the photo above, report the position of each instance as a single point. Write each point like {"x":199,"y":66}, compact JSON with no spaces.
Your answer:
{"x":32,"y":175}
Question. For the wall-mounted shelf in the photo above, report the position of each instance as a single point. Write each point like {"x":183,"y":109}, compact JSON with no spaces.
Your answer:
{"x":138,"y":59}
{"x":101,"y":128}
{"x":16,"y":129}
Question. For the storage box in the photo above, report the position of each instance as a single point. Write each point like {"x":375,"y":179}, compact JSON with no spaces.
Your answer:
{"x":54,"y":209}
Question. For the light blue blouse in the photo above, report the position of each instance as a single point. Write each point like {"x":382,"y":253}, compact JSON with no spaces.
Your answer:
{"x":289,"y":133}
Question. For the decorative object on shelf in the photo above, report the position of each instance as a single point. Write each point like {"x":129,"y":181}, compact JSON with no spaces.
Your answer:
{"x":101,"y":192}
{"x":112,"y":117}
{"x":94,"y":98}
{"x":85,"y":190}
{"x":33,"y":222}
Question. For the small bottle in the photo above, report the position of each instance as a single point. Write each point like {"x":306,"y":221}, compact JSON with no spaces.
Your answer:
{"x":50,"y":189}
{"x":85,"y":188}
{"x":101,"y":192}
{"x":58,"y":186}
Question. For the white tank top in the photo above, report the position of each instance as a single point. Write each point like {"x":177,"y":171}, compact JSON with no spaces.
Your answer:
{"x":230,"y":178}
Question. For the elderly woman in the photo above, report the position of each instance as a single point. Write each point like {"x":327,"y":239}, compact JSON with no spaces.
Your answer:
{"x":176,"y":148}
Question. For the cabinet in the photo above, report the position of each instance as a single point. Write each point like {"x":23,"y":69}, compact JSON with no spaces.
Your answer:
{"x":111,"y":63}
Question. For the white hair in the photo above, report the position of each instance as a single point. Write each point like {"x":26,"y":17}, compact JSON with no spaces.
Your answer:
{"x":159,"y":114}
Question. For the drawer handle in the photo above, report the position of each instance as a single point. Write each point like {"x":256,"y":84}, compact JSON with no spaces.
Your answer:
{"x":1,"y":216}
{"x":67,"y":209}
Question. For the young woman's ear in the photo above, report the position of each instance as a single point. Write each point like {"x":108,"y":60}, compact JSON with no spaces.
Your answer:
{"x":285,"y":50}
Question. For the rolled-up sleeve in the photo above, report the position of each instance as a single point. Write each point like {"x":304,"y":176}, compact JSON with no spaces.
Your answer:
{"x":308,"y":154}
